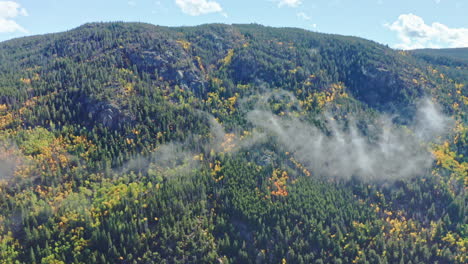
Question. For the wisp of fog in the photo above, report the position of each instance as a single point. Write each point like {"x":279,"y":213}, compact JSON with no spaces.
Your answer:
{"x":344,"y":151}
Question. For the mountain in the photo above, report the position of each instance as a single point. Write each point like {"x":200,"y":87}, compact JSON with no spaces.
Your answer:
{"x":457,"y":55}
{"x":135,"y":143}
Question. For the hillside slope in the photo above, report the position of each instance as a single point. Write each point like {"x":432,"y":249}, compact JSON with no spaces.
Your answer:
{"x":135,"y":143}
{"x":459,"y":55}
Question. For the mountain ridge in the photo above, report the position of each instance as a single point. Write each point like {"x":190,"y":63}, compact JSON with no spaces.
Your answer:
{"x":133,"y":143}
{"x":310,"y":35}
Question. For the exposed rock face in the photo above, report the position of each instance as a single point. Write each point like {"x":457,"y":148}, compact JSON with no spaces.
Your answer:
{"x":105,"y":113}
{"x":170,"y":63}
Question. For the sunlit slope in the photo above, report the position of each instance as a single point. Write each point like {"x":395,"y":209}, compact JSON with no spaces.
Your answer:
{"x":135,"y":143}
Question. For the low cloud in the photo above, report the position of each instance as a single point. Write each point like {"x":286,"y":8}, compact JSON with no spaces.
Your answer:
{"x":10,"y":10}
{"x":429,"y":124}
{"x":414,"y":33}
{"x":172,"y":159}
{"x":10,"y":159}
{"x":223,"y":142}
{"x":199,"y":7}
{"x":372,"y":151}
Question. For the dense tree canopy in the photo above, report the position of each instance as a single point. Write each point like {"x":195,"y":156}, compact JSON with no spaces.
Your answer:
{"x":133,"y":143}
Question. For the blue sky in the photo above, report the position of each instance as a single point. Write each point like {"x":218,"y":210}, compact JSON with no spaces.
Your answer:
{"x":403,"y":24}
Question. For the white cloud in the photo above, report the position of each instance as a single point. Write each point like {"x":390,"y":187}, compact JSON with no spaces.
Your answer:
{"x":199,"y":7}
{"x":9,"y":26}
{"x":132,"y":3}
{"x":414,"y":33}
{"x":290,"y":3}
{"x":8,"y":11}
{"x":303,"y":15}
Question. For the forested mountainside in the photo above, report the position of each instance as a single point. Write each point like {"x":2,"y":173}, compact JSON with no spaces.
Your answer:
{"x":444,"y":56}
{"x":134,"y":143}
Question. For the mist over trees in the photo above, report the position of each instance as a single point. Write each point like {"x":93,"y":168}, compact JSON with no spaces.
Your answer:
{"x":134,"y":143}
